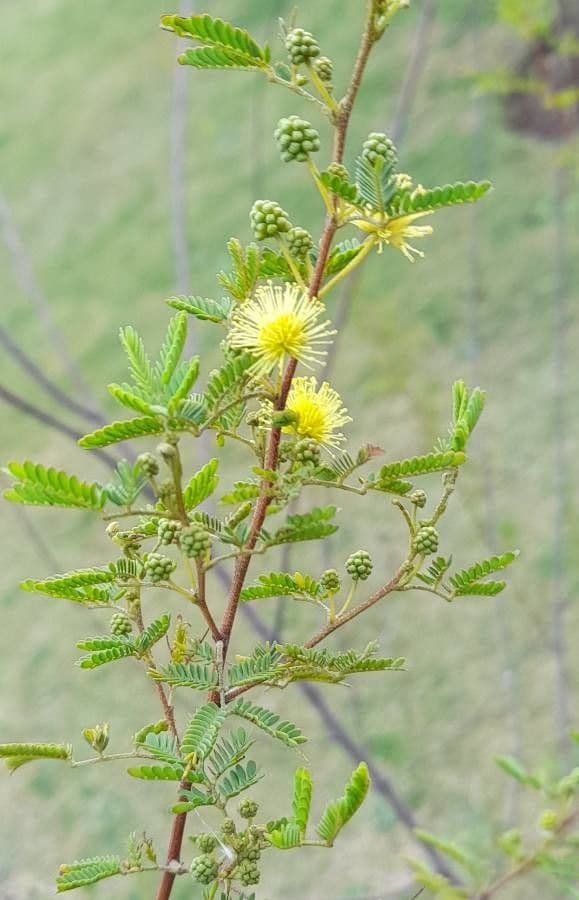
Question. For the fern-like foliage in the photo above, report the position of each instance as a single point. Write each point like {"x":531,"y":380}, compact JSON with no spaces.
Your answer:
{"x":274,"y":265}
{"x":17,"y":755}
{"x":216,"y":33}
{"x":281,"y":584}
{"x":104,"y":650}
{"x":226,"y":384}
{"x":286,"y":836}
{"x":302,"y":798}
{"x":268,"y":721}
{"x":480,"y":589}
{"x":201,"y":485}
{"x":261,"y":666}
{"x":201,"y":733}
{"x":37,"y":485}
{"x":479,"y":569}
{"x":419,"y":465}
{"x":245,"y":262}
{"x":157,"y":773}
{"x":341,"y":255}
{"x":229,"y":751}
{"x":190,"y":675}
{"x":86,"y":872}
{"x":203,"y":308}
{"x":339,"y":186}
{"x":337,"y":814}
{"x":124,"y":430}
{"x":81,"y":586}
{"x":423,"y":200}
{"x":467,"y":407}
{"x":152,"y":634}
{"x":128,"y":482}
{"x":302,"y":664}
{"x":375,"y":184}
{"x":161,"y":745}
{"x":306,"y":526}
{"x":239,"y":779}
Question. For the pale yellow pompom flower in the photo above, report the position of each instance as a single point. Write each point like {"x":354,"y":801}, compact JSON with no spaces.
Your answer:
{"x":278,"y":323}
{"x":397,"y":232}
{"x":319,"y":411}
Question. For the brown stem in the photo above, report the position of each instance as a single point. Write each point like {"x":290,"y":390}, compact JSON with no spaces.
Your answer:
{"x":202,"y":602}
{"x":271,"y":456}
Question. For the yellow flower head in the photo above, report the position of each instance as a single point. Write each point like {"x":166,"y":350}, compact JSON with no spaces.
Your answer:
{"x":319,"y":411}
{"x":280,"y":322}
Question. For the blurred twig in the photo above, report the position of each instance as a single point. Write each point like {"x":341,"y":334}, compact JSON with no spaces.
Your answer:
{"x":25,"y":276}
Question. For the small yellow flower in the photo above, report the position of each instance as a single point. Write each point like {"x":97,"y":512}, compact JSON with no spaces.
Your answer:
{"x":319,"y":411}
{"x":397,"y":231}
{"x":280,"y":322}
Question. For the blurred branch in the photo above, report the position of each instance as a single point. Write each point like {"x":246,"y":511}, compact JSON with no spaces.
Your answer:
{"x":29,"y":285}
{"x":34,"y":412}
{"x":52,"y":389}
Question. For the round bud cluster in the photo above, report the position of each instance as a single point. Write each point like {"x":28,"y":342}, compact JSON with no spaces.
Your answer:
{"x":377,"y":146}
{"x":299,"y":242}
{"x":301,"y":46}
{"x":359,"y":565}
{"x":307,"y":452}
{"x":418,"y":498}
{"x":339,"y":170}
{"x":296,"y":139}
{"x":324,"y":68}
{"x":159,"y":567}
{"x":167,"y":451}
{"x":268,"y":219}
{"x":248,"y":872}
{"x":167,"y":493}
{"x":204,"y":869}
{"x":228,"y":826}
{"x":168,"y":530}
{"x":248,"y":809}
{"x":206,"y":842}
{"x":253,"y":854}
{"x":403,"y":181}
{"x":330,"y":581}
{"x":426,"y":540}
{"x":121,"y":625}
{"x":549,"y":820}
{"x":148,"y":464}
{"x":195,"y":541}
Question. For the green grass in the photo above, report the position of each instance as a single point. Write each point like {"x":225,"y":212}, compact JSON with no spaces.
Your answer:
{"x":84,"y":155}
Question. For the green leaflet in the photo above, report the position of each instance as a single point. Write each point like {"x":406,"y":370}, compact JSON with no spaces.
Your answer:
{"x":172,"y":348}
{"x":210,"y":31}
{"x":420,"y":465}
{"x":81,"y":586}
{"x":226,"y":384}
{"x":140,"y":365}
{"x":37,"y":485}
{"x":341,"y":187}
{"x":202,"y":731}
{"x":302,"y":664}
{"x":239,"y":779}
{"x":261,"y":666}
{"x":157,"y":773}
{"x":245,"y":262}
{"x":128,"y":482}
{"x":228,"y":751}
{"x":286,"y":837}
{"x":341,"y":255}
{"x":242,"y":491}
{"x":16,"y":755}
{"x":274,"y":265}
{"x":450,"y":849}
{"x":102,"y":657}
{"x":375,"y":183}
{"x":434,"y":198}
{"x":194,"y":799}
{"x":281,"y":584}
{"x":481,"y":589}
{"x":87,"y":871}
{"x":201,"y":485}
{"x":124,"y":430}
{"x":268,"y":721}
{"x":337,"y":814}
{"x":152,"y":634}
{"x":161,"y":745}
{"x":302,"y":798}
{"x":192,"y":675}
{"x":126,"y":397}
{"x":478,"y":570}
{"x":203,"y":308}
{"x":306,"y":527}
{"x":217,"y":58}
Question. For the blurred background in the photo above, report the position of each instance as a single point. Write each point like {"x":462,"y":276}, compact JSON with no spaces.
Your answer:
{"x":121,"y":177}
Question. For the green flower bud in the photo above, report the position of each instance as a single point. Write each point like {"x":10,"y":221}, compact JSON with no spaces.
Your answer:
{"x":206,"y":842}
{"x":159,"y":567}
{"x":240,"y":514}
{"x":268,"y":219}
{"x":359,"y":565}
{"x":330,"y":581}
{"x":195,"y":541}
{"x":121,"y":625}
{"x":324,"y":68}
{"x":167,"y":451}
{"x":299,"y":242}
{"x":148,"y":464}
{"x":301,"y":46}
{"x":204,"y":869}
{"x":339,"y":170}
{"x":307,"y":452}
{"x":248,"y":872}
{"x":97,"y":737}
{"x":548,"y":820}
{"x":283,"y":417}
{"x":426,"y":540}
{"x":376,"y":146}
{"x":228,"y":826}
{"x":296,"y":139}
{"x":248,"y":809}
{"x":168,"y":530}
{"x":418,"y":498}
